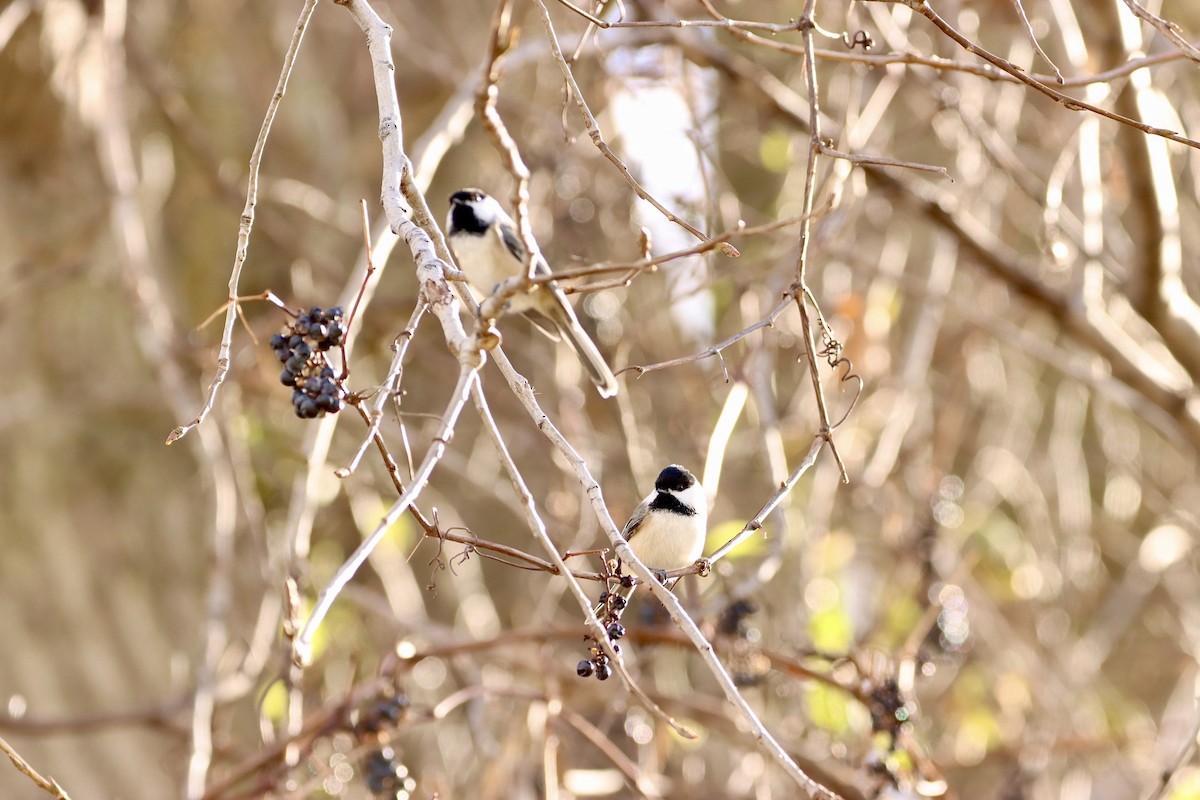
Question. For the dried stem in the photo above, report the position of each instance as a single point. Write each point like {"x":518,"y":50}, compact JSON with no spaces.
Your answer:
{"x":1167,"y":28}
{"x":48,"y":784}
{"x":923,"y":8}
{"x":679,"y":616}
{"x":597,"y":136}
{"x":247,"y":220}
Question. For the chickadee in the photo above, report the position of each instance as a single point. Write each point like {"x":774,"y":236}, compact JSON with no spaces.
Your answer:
{"x":667,"y":529}
{"x":486,"y":245}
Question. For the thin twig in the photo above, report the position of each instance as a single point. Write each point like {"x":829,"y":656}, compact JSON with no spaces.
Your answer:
{"x":784,"y":489}
{"x":390,"y":388}
{"x":723,"y":22}
{"x":48,"y":784}
{"x":442,"y":301}
{"x":923,"y":8}
{"x":649,"y":264}
{"x":880,"y":161}
{"x":499,"y":43}
{"x":302,"y":648}
{"x":538,"y":527}
{"x":524,"y":393}
{"x":1020,"y":9}
{"x":597,"y":136}
{"x":247,"y":220}
{"x":1167,"y":28}
{"x":982,"y":70}
{"x":714,"y":350}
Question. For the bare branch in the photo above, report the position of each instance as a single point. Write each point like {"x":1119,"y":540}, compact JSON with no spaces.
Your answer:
{"x":247,"y":220}
{"x":47,"y":784}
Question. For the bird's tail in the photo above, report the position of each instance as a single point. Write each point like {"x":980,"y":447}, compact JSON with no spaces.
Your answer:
{"x":597,"y":368}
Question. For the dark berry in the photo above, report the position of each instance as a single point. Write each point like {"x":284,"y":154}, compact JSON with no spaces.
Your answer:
{"x":383,"y":773}
{"x":603,"y":597}
{"x":584,"y":669}
{"x":334,"y":313}
{"x":394,"y":707}
{"x":616,"y":631}
{"x":300,"y":326}
{"x":312,"y":385}
{"x":325,"y":402}
{"x":603,"y":672}
{"x":278,"y":341}
{"x":296,"y":362}
{"x":283,"y":355}
{"x":627,"y":581}
{"x":295,"y":340}
{"x":308,"y":408}
{"x":302,"y":349}
{"x":287,"y":378}
{"x":619,"y":602}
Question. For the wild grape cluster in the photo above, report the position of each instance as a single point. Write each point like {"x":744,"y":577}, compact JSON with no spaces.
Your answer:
{"x":612,"y":605}
{"x":387,"y":777}
{"x":301,"y":348}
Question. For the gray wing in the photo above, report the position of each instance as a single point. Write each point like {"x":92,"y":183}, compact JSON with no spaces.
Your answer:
{"x":512,"y":242}
{"x":508,"y":233}
{"x":636,"y":520}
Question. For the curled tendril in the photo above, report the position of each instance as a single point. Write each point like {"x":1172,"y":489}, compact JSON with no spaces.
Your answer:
{"x":848,"y":375}
{"x":861,"y":39}
{"x":831,"y":351}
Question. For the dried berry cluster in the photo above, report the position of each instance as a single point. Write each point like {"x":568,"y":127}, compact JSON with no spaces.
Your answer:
{"x":748,"y":666}
{"x":301,"y":349}
{"x":612,"y":605}
{"x":386,"y":776}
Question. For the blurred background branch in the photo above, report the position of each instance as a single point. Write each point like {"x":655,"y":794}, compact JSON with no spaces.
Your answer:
{"x":1001,"y":603}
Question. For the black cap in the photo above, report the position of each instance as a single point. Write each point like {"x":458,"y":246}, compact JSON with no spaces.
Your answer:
{"x":674,"y":479}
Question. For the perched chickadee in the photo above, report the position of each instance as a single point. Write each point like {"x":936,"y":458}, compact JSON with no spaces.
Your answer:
{"x":488,"y":248}
{"x":668,"y":528}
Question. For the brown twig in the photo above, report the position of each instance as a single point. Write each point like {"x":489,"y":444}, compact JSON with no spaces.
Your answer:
{"x":597,"y":136}
{"x":762,"y":736}
{"x":442,"y":301}
{"x":247,"y":221}
{"x":48,"y":784}
{"x":715,"y":350}
{"x":649,"y":264}
{"x":1167,"y":28}
{"x":950,"y":65}
{"x":500,"y":42}
{"x":1020,"y":9}
{"x":923,"y":8}
{"x":799,"y":289}
{"x":538,"y":527}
